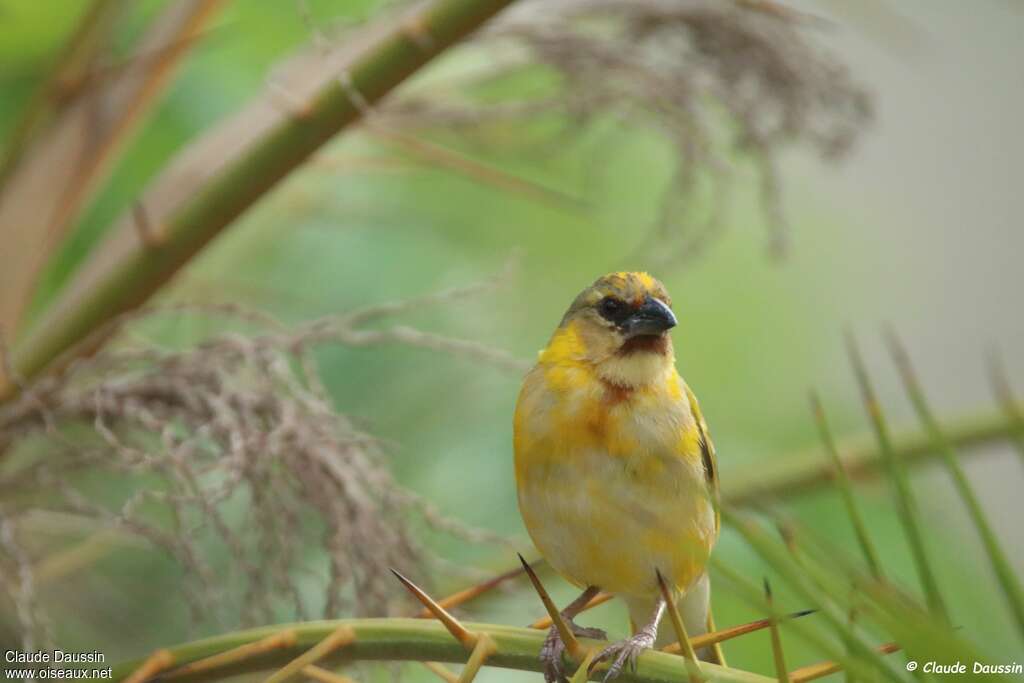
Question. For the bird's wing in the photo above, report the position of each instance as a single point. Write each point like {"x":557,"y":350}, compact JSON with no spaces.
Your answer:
{"x":707,"y":452}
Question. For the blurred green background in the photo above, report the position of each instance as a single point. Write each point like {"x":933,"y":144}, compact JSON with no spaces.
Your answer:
{"x":919,"y":228}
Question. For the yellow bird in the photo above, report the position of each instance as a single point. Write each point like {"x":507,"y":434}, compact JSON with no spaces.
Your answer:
{"x":615,"y":471}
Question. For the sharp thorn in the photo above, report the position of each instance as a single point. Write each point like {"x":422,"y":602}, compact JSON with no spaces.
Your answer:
{"x":721,"y":635}
{"x":484,"y":648}
{"x":340,"y":637}
{"x":583,"y":672}
{"x":465,"y":595}
{"x":572,"y":646}
{"x":443,"y":672}
{"x":461,"y":633}
{"x":680,"y":628}
{"x":773,"y":626}
{"x":545,"y":622}
{"x":813,"y":672}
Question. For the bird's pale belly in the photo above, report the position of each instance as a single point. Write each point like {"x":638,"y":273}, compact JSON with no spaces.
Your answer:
{"x":606,"y":521}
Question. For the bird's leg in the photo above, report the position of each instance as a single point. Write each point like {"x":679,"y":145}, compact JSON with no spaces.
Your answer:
{"x":551,"y":652}
{"x":626,"y":651}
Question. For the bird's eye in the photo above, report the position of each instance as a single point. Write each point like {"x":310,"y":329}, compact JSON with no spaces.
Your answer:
{"x":611,"y":308}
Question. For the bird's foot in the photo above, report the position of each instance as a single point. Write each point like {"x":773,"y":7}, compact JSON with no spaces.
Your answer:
{"x":624,"y":652}
{"x":553,"y":649}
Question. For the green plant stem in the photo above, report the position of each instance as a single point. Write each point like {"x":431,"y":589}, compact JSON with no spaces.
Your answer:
{"x":778,"y":653}
{"x":128,"y":268}
{"x":67,"y":73}
{"x":845,"y":489}
{"x":1004,"y":572}
{"x":64,"y":163}
{"x":1004,"y":393}
{"x":881,"y":604}
{"x":412,"y":640}
{"x":808,"y":585}
{"x":808,"y":472}
{"x":906,"y":504}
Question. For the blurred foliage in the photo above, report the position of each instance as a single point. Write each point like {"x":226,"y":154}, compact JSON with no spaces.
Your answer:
{"x":365,"y":223}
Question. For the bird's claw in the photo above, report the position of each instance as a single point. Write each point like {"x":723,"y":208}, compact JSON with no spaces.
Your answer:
{"x":624,"y":652}
{"x":553,"y":649}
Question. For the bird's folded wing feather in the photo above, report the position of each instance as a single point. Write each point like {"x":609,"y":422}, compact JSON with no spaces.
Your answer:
{"x":707,"y":452}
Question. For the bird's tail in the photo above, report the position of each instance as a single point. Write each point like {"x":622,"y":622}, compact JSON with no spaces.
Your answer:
{"x":695,"y":609}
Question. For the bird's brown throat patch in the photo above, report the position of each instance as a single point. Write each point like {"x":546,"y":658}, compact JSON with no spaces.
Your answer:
{"x":644,"y":343}
{"x":616,"y":393}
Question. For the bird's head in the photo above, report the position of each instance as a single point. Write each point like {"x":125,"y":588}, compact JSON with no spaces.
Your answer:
{"x":620,"y":326}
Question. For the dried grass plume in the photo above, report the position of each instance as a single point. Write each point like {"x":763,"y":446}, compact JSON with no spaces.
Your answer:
{"x":228,"y":444}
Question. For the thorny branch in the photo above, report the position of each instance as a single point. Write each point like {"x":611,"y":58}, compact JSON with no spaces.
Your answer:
{"x":236,"y":443}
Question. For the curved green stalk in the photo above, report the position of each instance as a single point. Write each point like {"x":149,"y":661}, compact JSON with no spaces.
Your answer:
{"x":1004,"y":572}
{"x":407,"y":640}
{"x":845,"y":489}
{"x":906,"y":501}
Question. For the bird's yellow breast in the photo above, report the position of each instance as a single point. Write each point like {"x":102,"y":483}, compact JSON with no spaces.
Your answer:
{"x":611,"y":480}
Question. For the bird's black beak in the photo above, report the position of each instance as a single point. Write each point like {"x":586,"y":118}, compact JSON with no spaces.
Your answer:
{"x":653,"y":317}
